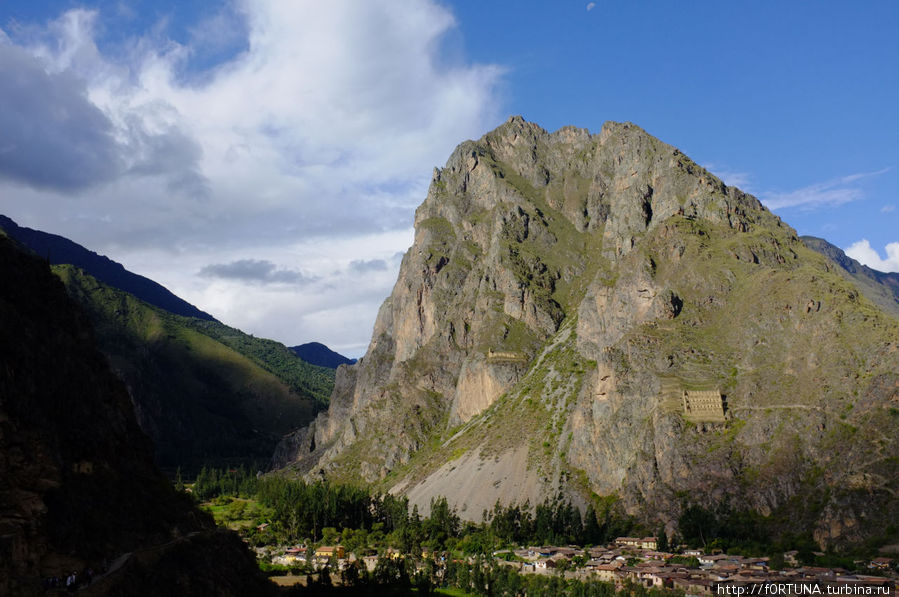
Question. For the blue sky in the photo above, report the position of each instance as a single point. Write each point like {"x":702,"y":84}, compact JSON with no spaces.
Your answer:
{"x":264,"y":159}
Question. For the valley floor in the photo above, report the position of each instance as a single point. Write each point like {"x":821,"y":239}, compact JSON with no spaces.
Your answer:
{"x":319,"y":538}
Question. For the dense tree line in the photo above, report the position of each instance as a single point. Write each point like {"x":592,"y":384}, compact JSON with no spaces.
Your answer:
{"x":367,"y":522}
{"x":731,"y":530}
{"x":212,"y":482}
{"x":559,"y":523}
{"x":749,"y":533}
{"x":300,"y":510}
{"x":304,"y":510}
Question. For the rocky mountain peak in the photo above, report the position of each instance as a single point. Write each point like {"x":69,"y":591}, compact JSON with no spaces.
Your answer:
{"x":563,"y":291}
{"x":622,"y":180}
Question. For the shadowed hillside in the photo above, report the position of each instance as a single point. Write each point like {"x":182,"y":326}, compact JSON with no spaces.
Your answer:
{"x":60,"y":250}
{"x":77,"y":481}
{"x":206,"y":394}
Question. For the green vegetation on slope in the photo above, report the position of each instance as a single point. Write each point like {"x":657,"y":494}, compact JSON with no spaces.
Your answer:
{"x":302,"y":377}
{"x":204,"y":398}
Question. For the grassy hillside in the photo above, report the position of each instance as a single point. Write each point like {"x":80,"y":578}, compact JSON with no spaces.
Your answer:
{"x":204,"y":392}
{"x":303,"y":377}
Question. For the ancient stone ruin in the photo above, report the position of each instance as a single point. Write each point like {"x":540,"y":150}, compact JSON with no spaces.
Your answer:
{"x":703,"y":405}
{"x":495,"y":356}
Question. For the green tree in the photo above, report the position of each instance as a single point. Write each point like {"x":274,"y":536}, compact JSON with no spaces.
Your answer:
{"x":698,"y":526}
{"x":592,"y":531}
{"x":351,"y":574}
{"x":179,"y":482}
{"x":391,"y":572}
{"x":662,"y":537}
{"x":324,"y":577}
{"x":776,"y":561}
{"x":443,"y":522}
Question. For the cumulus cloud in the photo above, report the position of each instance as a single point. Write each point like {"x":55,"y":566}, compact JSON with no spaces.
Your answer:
{"x":51,"y":135}
{"x":864,"y":253}
{"x":829,"y":193}
{"x":58,"y":137}
{"x":336,"y":305}
{"x":271,"y":123}
{"x":591,"y":6}
{"x":169,"y":153}
{"x":329,"y":123}
{"x":254,"y":270}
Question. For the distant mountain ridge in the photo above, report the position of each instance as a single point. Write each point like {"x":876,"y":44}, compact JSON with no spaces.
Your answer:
{"x":317,"y":353}
{"x":205,"y":393}
{"x":881,"y":288}
{"x":59,"y":250}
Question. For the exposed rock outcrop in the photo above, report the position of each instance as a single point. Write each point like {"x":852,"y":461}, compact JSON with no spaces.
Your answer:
{"x":613,"y":273}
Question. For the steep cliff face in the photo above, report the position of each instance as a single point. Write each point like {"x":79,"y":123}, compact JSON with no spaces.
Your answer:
{"x":563,"y":291}
{"x":77,"y":480}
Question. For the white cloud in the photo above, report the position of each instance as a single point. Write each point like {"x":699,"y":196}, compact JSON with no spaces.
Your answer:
{"x":828,"y":193}
{"x":591,"y":6}
{"x":887,"y":209}
{"x":321,"y":132}
{"x":862,"y":252}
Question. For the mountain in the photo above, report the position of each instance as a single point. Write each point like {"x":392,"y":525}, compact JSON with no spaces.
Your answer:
{"x":207,"y":394}
{"x":880,"y":288}
{"x":77,"y":482}
{"x":596,"y":317}
{"x":59,"y":250}
{"x":319,"y":354}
